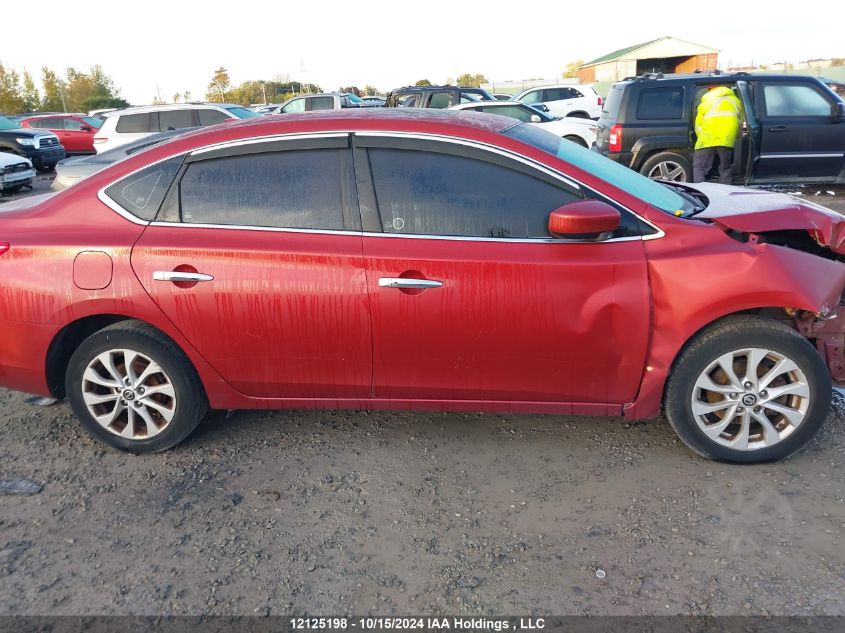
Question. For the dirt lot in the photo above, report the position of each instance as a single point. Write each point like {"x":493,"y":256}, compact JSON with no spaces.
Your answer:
{"x":327,"y":512}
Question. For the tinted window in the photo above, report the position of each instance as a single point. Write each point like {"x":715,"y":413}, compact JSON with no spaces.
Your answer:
{"x":610,"y":109}
{"x":409,"y":102}
{"x":786,"y":100}
{"x":440,"y":194}
{"x":661,"y":103}
{"x":211,"y":117}
{"x":175,"y":119}
{"x":141,"y":193}
{"x":515,"y":112}
{"x":440,"y":100}
{"x":134,"y":123}
{"x":321,"y":103}
{"x":535,"y":96}
{"x":294,"y":189}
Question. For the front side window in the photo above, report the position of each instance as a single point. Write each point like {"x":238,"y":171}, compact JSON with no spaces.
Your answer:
{"x":297,"y":105}
{"x":211,"y":117}
{"x":142,"y":192}
{"x":93,"y":122}
{"x":794,"y":100}
{"x":661,"y":103}
{"x":441,"y":100}
{"x":73,"y":125}
{"x":428,"y":193}
{"x":298,"y":189}
{"x":535,"y":96}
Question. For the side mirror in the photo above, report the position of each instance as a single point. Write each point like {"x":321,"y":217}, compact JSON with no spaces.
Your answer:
{"x":585,"y":218}
{"x":838,"y":111}
{"x":535,"y":118}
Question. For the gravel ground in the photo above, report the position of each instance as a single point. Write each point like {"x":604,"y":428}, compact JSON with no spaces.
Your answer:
{"x":345,"y":512}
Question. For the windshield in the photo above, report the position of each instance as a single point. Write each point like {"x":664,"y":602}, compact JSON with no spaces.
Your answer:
{"x":613,"y":173}
{"x":93,"y":121}
{"x":243,"y":113}
{"x":6,"y":124}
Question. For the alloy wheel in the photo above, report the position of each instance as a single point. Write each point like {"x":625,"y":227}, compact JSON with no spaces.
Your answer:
{"x":668,"y":170}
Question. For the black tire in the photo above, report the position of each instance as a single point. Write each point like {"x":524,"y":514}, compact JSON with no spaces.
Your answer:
{"x":652,"y":163}
{"x":190,"y":400}
{"x":45,"y":168}
{"x":576,"y":139}
{"x":737,"y":333}
{"x":13,"y":188}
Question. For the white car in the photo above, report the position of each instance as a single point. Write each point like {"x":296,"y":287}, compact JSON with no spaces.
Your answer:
{"x":15,"y":172}
{"x":131,"y":124}
{"x":573,"y":100}
{"x":581,"y":131}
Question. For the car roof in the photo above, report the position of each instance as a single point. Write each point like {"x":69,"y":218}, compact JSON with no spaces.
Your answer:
{"x":489,"y":104}
{"x":56,"y":115}
{"x":712,"y":77}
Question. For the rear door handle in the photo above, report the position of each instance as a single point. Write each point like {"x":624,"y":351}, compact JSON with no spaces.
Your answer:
{"x":779,"y":128}
{"x":175,"y":275}
{"x":405,"y":282}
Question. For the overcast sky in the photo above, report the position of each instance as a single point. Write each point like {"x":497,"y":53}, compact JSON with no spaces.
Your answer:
{"x":173,"y":46}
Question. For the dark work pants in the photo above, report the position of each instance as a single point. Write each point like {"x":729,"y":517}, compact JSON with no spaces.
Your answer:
{"x":702,"y":161}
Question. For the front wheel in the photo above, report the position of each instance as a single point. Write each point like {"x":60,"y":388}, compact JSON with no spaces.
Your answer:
{"x":748,"y":390}
{"x":134,"y":389}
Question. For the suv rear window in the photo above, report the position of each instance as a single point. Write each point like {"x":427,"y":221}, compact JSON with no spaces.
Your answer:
{"x":661,"y":103}
{"x":134,"y":123}
{"x":610,"y":109}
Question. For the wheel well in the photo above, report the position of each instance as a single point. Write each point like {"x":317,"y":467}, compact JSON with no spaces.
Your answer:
{"x":574,"y":138}
{"x":641,"y":157}
{"x":578,"y":114}
{"x":64,"y":344}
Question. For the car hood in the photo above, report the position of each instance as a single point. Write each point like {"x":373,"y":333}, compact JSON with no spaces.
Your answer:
{"x":755,"y":211}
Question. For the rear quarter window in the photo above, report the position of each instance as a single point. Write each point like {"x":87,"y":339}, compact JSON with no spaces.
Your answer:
{"x":141,"y":193}
{"x":660,"y":103}
{"x":133,"y":123}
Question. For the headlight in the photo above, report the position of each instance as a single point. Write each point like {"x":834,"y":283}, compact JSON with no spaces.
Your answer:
{"x":30,"y":142}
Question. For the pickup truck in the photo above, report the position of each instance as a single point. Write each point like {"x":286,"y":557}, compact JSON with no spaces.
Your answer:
{"x":42,"y":148}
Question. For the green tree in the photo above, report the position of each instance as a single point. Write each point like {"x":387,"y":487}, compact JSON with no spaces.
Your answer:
{"x":54,"y":88}
{"x":218,"y":86}
{"x":31,"y":98}
{"x":370,"y":90}
{"x":11,"y":96}
{"x":423,"y":82}
{"x":471,"y":80}
{"x":571,"y":69}
{"x":352,"y":90}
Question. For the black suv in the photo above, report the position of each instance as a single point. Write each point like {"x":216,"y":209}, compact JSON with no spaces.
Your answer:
{"x":435,"y":96}
{"x":41,"y":147}
{"x":792,"y":129}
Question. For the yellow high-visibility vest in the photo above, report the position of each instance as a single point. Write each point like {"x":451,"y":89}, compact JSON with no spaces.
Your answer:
{"x":717,"y":120}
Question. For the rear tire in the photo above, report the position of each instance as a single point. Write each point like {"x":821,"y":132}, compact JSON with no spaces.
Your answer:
{"x":667,"y":166}
{"x":134,"y":389}
{"x":719,"y":416}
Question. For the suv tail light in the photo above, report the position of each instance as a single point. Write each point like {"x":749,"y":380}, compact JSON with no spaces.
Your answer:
{"x":4,"y":247}
{"x":614,"y":141}
{"x":600,"y":101}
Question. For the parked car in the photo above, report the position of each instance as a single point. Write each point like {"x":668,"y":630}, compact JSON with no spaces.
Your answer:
{"x":15,"y":172}
{"x":581,"y":131}
{"x":100,"y":113}
{"x":269,"y":108}
{"x":435,"y":96}
{"x":373,"y":101}
{"x":502,"y":96}
{"x":75,"y":131}
{"x":71,"y":170}
{"x":575,"y":100}
{"x":540,"y":277}
{"x":131,"y":124}
{"x":323,"y":101}
{"x":793,"y":127}
{"x":43,"y":149}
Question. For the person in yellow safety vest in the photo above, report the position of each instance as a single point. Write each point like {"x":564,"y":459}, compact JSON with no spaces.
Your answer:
{"x":716,"y":127}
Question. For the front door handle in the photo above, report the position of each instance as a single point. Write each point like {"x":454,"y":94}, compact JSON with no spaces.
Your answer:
{"x":779,"y":128}
{"x":408,"y":283}
{"x":175,"y":275}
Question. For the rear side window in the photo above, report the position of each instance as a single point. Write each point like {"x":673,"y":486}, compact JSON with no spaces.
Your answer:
{"x":409,"y":102}
{"x":211,"y":117}
{"x":794,"y":100}
{"x":141,"y":193}
{"x":175,"y":119}
{"x":441,"y":100}
{"x":321,"y":103}
{"x":291,"y":189}
{"x":134,"y":123}
{"x":426,"y":193}
{"x":660,"y":103}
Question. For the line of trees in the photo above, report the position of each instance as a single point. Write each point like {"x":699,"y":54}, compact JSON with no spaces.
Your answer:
{"x":75,"y":91}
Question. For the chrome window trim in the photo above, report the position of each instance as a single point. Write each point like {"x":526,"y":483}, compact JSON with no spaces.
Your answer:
{"x":659,"y":233}
{"x":812,"y":155}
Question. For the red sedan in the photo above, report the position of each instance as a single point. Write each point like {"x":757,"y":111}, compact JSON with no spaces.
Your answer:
{"x":75,"y":131}
{"x":432,"y":261}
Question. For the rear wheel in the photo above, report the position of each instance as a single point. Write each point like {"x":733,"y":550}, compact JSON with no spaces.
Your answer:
{"x":748,"y":390}
{"x":667,"y":166}
{"x":133,"y":388}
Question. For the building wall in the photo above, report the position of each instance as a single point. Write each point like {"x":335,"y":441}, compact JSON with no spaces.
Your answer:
{"x":587,"y":75}
{"x":699,"y":62}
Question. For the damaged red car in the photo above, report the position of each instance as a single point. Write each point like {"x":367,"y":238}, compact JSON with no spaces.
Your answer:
{"x":420,"y":260}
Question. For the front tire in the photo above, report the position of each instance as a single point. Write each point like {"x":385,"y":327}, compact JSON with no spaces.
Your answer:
{"x":134,"y":389}
{"x":747,"y":390}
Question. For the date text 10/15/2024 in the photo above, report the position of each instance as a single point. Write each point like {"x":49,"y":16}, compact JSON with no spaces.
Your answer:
{"x":432,"y":623}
